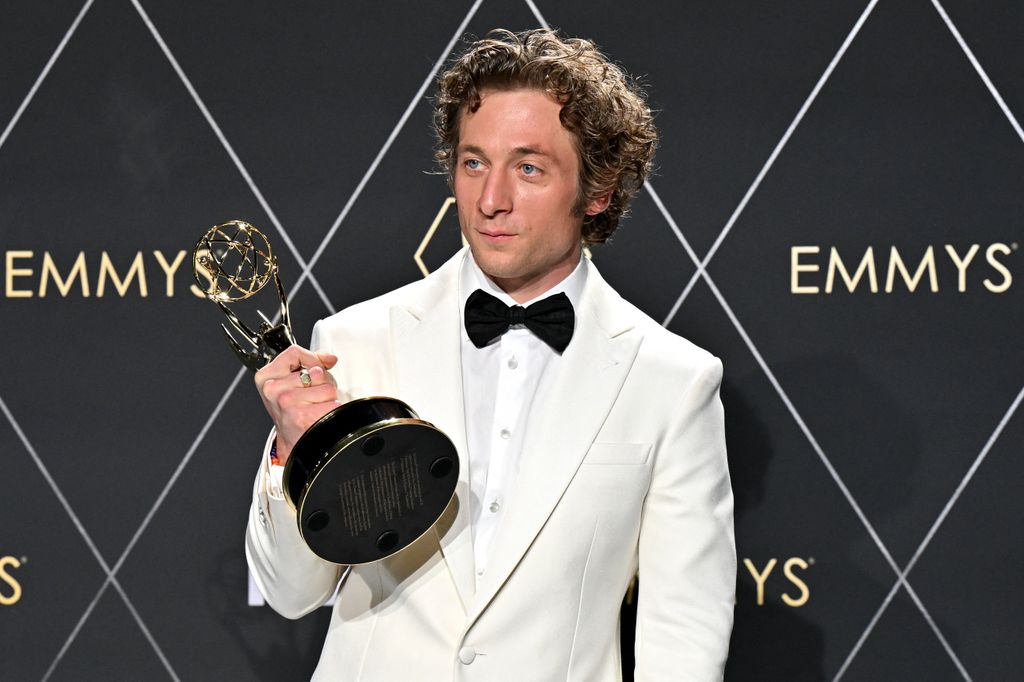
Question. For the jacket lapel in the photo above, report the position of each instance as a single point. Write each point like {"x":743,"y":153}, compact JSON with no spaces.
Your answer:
{"x":590,"y":372}
{"x":428,"y":371}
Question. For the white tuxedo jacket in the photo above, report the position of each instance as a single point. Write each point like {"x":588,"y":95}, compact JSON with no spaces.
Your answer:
{"x":624,"y":469}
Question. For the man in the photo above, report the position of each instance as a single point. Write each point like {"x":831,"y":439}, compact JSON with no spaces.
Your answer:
{"x":581,"y":462}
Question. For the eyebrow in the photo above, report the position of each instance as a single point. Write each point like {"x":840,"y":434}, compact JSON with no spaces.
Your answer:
{"x":518,"y":151}
{"x":529,"y":151}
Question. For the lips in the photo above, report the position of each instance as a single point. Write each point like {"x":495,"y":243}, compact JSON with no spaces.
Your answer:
{"x":496,"y":234}
{"x":495,"y":238}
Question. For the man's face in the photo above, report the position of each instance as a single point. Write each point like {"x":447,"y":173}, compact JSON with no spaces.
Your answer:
{"x":516,"y":184}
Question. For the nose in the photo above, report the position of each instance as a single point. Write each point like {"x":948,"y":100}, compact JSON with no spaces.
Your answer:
{"x":496,"y":195}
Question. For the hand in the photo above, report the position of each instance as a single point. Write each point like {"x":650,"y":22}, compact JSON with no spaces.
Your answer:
{"x":292,"y":406}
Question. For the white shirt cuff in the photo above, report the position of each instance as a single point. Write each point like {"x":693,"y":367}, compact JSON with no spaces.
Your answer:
{"x":273,"y":474}
{"x":275,"y":481}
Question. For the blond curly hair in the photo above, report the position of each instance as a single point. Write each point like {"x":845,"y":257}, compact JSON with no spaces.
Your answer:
{"x":602,"y":107}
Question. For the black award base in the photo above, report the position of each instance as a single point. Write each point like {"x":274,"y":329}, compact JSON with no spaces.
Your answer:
{"x":368,"y":479}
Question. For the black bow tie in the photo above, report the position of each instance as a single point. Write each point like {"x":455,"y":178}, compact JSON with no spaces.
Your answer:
{"x":551,"y":319}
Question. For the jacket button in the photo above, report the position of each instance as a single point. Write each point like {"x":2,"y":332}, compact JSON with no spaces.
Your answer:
{"x":466,"y":655}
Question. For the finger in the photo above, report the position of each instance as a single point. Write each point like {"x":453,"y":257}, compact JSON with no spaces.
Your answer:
{"x":327,"y":360}
{"x":321,"y":393}
{"x":318,"y":375}
{"x":271,"y":389}
{"x":295,"y":397}
{"x":270,"y":383}
{"x":298,"y":357}
{"x":274,"y":389}
{"x":287,"y":362}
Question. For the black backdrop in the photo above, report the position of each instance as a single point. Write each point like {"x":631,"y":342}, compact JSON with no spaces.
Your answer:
{"x":873,"y":433}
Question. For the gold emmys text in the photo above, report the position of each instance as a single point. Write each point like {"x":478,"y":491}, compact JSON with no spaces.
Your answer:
{"x":27,"y":275}
{"x":807,"y":264}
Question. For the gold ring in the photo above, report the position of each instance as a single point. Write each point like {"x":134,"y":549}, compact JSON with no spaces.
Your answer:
{"x":304,"y":377}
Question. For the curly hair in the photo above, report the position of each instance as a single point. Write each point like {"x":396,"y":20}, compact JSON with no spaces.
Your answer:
{"x":602,"y":107}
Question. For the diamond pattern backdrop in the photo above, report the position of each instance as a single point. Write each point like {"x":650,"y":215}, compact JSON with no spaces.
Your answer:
{"x":872,"y":426}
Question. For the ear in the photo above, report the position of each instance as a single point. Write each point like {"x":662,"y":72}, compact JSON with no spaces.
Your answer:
{"x":595,"y":206}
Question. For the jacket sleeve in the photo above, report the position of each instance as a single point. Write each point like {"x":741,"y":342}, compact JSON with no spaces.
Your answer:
{"x":687,"y":555}
{"x":292,"y":579}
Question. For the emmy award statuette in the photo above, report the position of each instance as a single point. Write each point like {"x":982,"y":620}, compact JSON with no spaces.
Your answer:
{"x":369,"y":477}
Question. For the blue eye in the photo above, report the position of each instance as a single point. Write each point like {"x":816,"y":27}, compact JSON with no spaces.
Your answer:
{"x":473,"y":164}
{"x":529,"y":168}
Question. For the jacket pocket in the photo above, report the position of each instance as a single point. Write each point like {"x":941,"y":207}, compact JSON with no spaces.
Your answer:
{"x":618,"y":453}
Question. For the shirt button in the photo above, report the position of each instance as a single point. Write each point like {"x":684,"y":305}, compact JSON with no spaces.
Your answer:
{"x":494,"y":507}
{"x":466,"y":655}
{"x":513,"y":362}
{"x":505,"y":434}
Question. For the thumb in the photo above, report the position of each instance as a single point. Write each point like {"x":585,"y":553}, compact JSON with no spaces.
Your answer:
{"x":327,"y":360}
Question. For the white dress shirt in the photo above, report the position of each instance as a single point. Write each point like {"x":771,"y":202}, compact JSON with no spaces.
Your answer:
{"x":499,"y":382}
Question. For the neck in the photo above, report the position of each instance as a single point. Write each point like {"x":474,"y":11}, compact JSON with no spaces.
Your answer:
{"x":523,"y":289}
